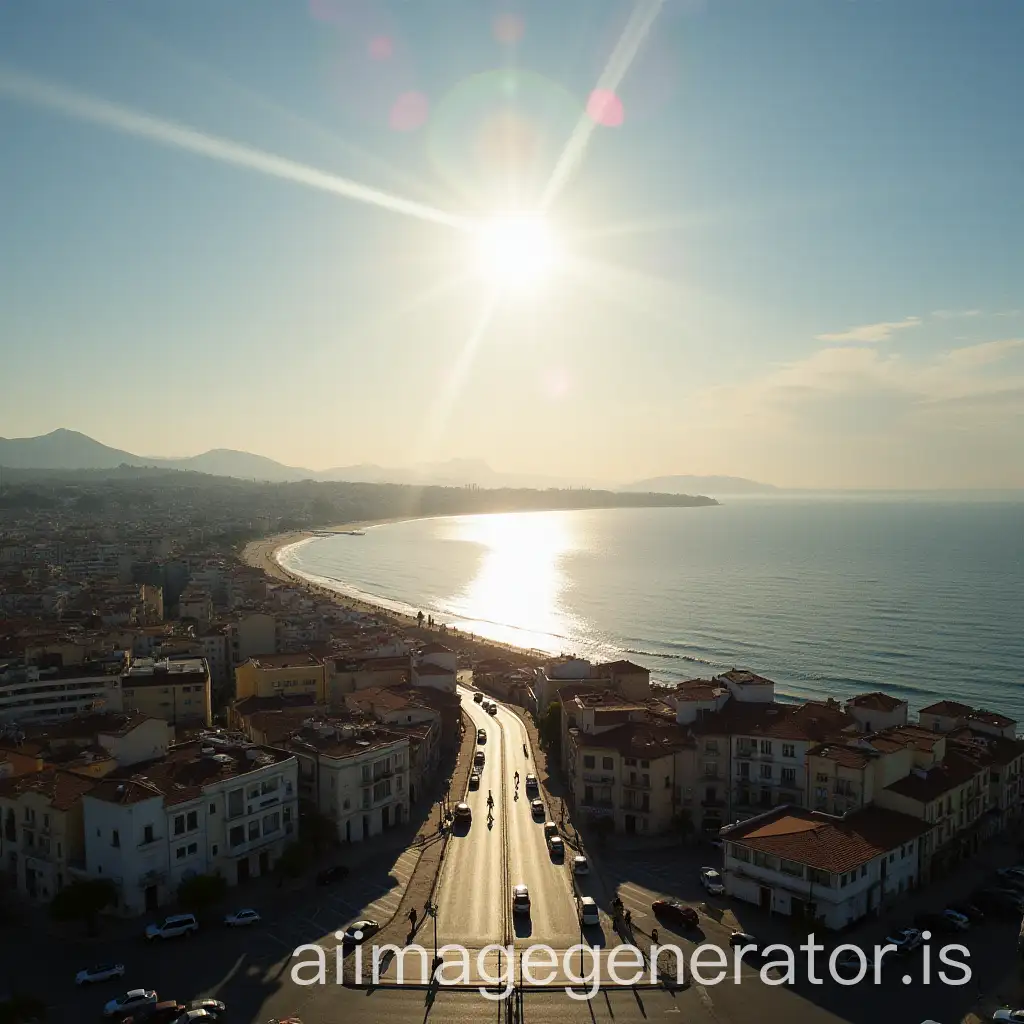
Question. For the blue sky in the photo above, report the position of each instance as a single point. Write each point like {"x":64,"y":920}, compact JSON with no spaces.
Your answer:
{"x":798,"y":258}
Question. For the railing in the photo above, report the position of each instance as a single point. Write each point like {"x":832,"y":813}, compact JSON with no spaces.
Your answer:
{"x":635,"y":784}
{"x":601,"y":780}
{"x":151,"y":841}
{"x":599,"y":804}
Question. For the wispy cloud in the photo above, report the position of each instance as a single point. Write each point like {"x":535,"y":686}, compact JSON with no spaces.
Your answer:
{"x":955,"y":314}
{"x":871,"y":333}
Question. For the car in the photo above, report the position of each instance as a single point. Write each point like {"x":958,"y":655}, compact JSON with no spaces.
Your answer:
{"x":550,"y":829}
{"x":712,"y":881}
{"x":173,"y":926}
{"x":463,"y":812}
{"x":997,"y":902}
{"x":104,"y":972}
{"x":170,"y":1011}
{"x":973,"y":914}
{"x":742,"y":939}
{"x":474,"y":779}
{"x":556,"y":847}
{"x":589,"y":914}
{"x":537,"y":809}
{"x":481,"y":736}
{"x":214,"y":1006}
{"x":133,"y":1000}
{"x":675,"y":913}
{"x":358,"y":932}
{"x":478,"y":759}
{"x":242,"y":918}
{"x":478,"y":697}
{"x":580,"y":865}
{"x":520,"y":900}
{"x":492,"y":709}
{"x":335,"y":873}
{"x":906,"y":940}
{"x":1008,"y":1014}
{"x":531,"y":784}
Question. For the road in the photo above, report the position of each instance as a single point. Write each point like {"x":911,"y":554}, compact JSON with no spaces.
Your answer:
{"x":483,"y":863}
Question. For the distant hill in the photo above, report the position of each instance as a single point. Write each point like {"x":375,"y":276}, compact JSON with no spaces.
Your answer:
{"x":62,"y":449}
{"x":713,"y":485}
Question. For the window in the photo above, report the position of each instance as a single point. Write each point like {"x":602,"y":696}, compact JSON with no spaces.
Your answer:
{"x":740,"y":853}
{"x":147,"y":836}
{"x":762,"y":860}
{"x":236,"y":836}
{"x":588,"y":760}
{"x":788,"y":750}
{"x":400,"y":783}
{"x":254,"y":792}
{"x":645,"y":764}
{"x":193,"y":821}
{"x":791,"y":867}
{"x":766,"y":746}
{"x":789,"y":775}
{"x":46,"y":821}
{"x":115,"y":838}
{"x":607,"y":763}
{"x":630,"y":762}
{"x":179,"y":824}
{"x":711,"y":746}
{"x":269,"y":785}
{"x":711,"y":769}
{"x":213,"y":808}
{"x":821,"y":777}
{"x":254,"y":830}
{"x":179,"y":853}
{"x":236,"y":804}
{"x":213,"y":850}
{"x":863,"y":871}
{"x":366,"y":773}
{"x":192,"y":847}
{"x":819,"y":877}
{"x":271,"y":823}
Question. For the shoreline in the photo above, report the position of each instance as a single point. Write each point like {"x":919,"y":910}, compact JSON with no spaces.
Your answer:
{"x":263,"y":554}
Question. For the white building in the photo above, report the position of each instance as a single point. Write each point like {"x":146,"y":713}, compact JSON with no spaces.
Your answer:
{"x":358,"y":777}
{"x":31,"y":694}
{"x":224,"y":808}
{"x":822,"y":869}
{"x":435,"y":666}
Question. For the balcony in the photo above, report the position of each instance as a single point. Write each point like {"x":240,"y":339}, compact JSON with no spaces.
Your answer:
{"x":633,"y":809}
{"x":150,"y":842}
{"x":746,"y":754}
{"x":635,"y":784}
{"x":598,"y":778}
{"x":711,"y":776}
{"x":712,"y":801}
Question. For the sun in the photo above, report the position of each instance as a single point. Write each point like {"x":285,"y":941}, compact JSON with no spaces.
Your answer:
{"x":516,"y":251}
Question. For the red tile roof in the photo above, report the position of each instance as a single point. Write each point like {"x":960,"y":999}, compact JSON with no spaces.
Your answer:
{"x":924,"y":787}
{"x":836,"y":845}
{"x":876,"y":701}
{"x":62,"y":789}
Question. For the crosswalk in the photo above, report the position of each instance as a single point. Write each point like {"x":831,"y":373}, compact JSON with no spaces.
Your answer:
{"x":336,"y":910}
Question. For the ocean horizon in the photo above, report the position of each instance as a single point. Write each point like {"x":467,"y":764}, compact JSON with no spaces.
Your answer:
{"x":828,"y":597}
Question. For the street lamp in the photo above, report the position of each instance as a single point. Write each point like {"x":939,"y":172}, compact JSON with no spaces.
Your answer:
{"x":431,"y":909}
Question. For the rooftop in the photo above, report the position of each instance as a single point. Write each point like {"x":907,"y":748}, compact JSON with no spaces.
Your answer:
{"x":821,"y":841}
{"x":948,"y":709}
{"x":876,"y":701}
{"x":62,"y":789}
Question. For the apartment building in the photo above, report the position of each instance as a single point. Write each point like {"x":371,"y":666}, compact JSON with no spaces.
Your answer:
{"x":348,"y":674}
{"x":820,"y":869}
{"x":41,"y":693}
{"x":176,"y":690}
{"x":272,"y":674}
{"x":355,"y":775}
{"x":42,"y":832}
{"x":211,"y":806}
{"x":253,"y":635}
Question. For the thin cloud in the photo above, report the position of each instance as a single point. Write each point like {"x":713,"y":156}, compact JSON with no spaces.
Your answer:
{"x":871,"y":333}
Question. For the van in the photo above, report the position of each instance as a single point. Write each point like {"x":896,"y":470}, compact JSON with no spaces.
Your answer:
{"x":173,"y":926}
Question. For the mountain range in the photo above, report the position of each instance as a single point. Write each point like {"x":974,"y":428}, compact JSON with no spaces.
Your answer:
{"x":70,"y":450}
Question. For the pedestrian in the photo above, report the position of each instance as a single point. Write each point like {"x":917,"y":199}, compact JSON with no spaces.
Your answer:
{"x":654,"y":936}
{"x":629,"y":919}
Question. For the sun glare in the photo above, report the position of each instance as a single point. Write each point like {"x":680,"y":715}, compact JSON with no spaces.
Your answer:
{"x":516,"y":250}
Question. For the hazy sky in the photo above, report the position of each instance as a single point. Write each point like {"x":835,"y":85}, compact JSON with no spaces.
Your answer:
{"x":794,"y":251}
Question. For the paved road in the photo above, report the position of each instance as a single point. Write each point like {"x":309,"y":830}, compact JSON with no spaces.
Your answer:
{"x":483,"y":863}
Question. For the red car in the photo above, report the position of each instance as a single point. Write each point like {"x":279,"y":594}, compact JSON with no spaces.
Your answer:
{"x":674,"y":913}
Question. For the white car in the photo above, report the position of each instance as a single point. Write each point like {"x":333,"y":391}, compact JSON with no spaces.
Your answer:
{"x":133,"y":1000}
{"x":906,"y":940}
{"x":242,"y":918}
{"x":531,"y":783}
{"x":537,"y":809}
{"x":556,"y":848}
{"x":520,"y":900}
{"x":580,"y":865}
{"x":712,"y":881}
{"x":104,"y":972}
{"x":1007,"y":1014}
{"x":365,"y":929}
{"x":169,"y":928}
{"x":589,"y":914}
{"x":961,"y":922}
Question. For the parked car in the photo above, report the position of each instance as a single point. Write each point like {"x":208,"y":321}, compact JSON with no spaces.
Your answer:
{"x":959,"y":922}
{"x":742,"y":939}
{"x":335,"y":873}
{"x":520,"y":900}
{"x":170,"y":1011}
{"x":197,"y":1017}
{"x":463,"y":812}
{"x":556,"y":847}
{"x":104,"y":972}
{"x":580,"y":865}
{"x":242,"y":918}
{"x":481,"y":736}
{"x":173,"y":926}
{"x":672,"y":912}
{"x":973,"y":914}
{"x":537,"y":809}
{"x":132,"y":1000}
{"x":478,"y":697}
{"x":531,"y":783}
{"x":474,"y":779}
{"x":589,"y":914}
{"x":359,"y":931}
{"x":906,"y":940}
{"x":712,"y":881}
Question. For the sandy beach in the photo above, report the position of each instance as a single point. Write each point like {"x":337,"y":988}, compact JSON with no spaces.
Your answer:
{"x":263,"y":554}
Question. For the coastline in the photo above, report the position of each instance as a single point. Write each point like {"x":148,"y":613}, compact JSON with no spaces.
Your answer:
{"x":263,"y":554}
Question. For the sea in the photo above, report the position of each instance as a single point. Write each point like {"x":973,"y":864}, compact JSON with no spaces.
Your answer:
{"x":829,"y":597}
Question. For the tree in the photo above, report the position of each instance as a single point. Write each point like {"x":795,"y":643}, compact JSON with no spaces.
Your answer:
{"x":550,"y":727}
{"x":83,"y":901}
{"x":200,"y":892}
{"x":316,"y":830}
{"x":604,"y":826}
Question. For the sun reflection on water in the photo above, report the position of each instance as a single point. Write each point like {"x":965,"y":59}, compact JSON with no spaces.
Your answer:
{"x":520,"y":578}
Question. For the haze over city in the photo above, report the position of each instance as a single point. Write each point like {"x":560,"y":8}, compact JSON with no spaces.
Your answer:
{"x":779,"y":240}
